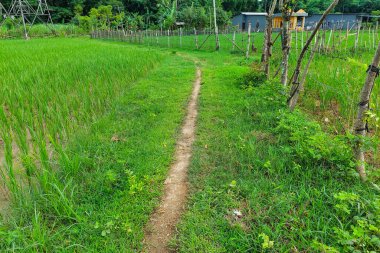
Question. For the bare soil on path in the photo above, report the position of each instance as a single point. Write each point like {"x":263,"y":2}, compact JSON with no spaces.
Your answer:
{"x":161,"y":226}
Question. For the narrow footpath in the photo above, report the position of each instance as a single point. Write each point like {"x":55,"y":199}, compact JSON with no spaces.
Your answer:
{"x":161,"y":226}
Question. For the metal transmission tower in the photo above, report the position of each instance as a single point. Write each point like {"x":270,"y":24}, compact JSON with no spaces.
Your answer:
{"x":3,"y":14}
{"x":3,"y":11}
{"x":43,"y":11}
{"x":23,"y":12}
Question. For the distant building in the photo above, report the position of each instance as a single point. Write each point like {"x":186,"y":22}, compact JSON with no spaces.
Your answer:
{"x":257,"y":20}
{"x":301,"y":20}
{"x":338,"y":21}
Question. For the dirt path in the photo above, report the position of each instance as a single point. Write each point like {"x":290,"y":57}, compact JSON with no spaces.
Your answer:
{"x":161,"y":227}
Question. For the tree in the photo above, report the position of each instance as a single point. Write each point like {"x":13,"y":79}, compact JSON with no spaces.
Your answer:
{"x":286,"y":13}
{"x":360,"y":123}
{"x":296,"y":84}
{"x":267,"y":50}
{"x":194,"y":17}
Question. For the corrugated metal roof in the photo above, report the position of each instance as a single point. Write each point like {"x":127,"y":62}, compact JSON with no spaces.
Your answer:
{"x":294,"y":14}
{"x":254,"y":13}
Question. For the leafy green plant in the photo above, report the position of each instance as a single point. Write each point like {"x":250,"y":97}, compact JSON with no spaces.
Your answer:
{"x":252,"y":79}
{"x":310,"y":144}
{"x":267,"y":243}
{"x":363,"y":235}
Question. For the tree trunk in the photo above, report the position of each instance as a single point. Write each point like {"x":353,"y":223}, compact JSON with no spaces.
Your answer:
{"x":292,"y":101}
{"x":267,"y":51}
{"x":360,"y":123}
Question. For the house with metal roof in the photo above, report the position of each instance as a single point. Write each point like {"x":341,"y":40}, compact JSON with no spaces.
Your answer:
{"x":257,"y":20}
{"x":301,"y":20}
{"x":339,"y":21}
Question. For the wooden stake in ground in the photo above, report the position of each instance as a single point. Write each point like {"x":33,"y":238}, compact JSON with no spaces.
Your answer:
{"x":216,"y":27}
{"x":286,"y":15}
{"x":267,"y":50}
{"x":293,"y":98}
{"x":357,"y":34}
{"x":233,"y":41}
{"x":360,"y":123}
{"x":304,"y":75}
{"x":196,"y":39}
{"x":180,"y":37}
{"x":249,"y":41}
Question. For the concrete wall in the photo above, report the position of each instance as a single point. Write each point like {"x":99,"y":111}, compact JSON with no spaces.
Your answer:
{"x":339,"y":20}
{"x":237,"y":21}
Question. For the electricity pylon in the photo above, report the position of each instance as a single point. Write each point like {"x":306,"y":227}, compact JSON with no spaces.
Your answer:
{"x":43,"y":11}
{"x":27,"y":14}
{"x":3,"y":11}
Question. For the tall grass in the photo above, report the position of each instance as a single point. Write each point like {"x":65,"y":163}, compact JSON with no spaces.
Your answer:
{"x":41,"y":30}
{"x":87,"y":130}
{"x":48,"y":91}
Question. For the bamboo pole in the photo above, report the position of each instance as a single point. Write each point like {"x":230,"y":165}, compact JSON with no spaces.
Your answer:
{"x":180,"y":37}
{"x":293,"y":98}
{"x":233,"y":41}
{"x":357,"y":35}
{"x":196,"y":39}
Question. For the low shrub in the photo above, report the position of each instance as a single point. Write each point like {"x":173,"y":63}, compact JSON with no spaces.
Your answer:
{"x":310,"y":144}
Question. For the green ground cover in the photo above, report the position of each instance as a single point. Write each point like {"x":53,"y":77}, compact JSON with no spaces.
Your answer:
{"x":111,"y":113}
{"x":262,"y":179}
{"x":288,"y":178}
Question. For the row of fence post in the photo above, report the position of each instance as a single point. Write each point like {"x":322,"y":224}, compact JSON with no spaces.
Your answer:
{"x":331,"y":40}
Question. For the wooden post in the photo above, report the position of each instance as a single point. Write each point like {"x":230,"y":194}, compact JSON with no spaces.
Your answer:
{"x":357,"y":34}
{"x":216,"y":28}
{"x":168,"y":38}
{"x":373,"y":39}
{"x":333,"y":40}
{"x":330,"y":36}
{"x":286,"y":16}
{"x":293,"y":96}
{"x":296,"y":41}
{"x":364,"y":106}
{"x":180,"y":37}
{"x":294,"y":99}
{"x":196,"y":39}
{"x":249,"y":41}
{"x":233,"y":41}
{"x":369,"y":37}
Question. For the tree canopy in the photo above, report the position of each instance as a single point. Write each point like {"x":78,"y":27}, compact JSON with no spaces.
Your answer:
{"x":194,"y":13}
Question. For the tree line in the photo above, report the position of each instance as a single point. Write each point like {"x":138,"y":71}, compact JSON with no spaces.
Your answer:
{"x":196,"y":13}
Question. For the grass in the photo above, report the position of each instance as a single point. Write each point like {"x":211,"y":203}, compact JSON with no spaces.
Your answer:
{"x":96,"y":184}
{"x":95,"y":122}
{"x":188,"y":41}
{"x":252,"y":156}
{"x":10,"y":30}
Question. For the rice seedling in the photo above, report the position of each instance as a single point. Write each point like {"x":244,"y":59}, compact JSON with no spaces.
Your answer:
{"x":51,"y":90}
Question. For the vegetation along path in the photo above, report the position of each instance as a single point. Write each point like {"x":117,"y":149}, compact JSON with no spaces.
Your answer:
{"x":162,"y":224}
